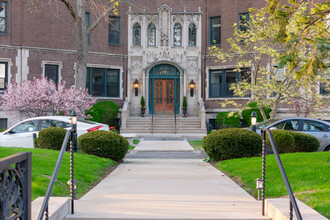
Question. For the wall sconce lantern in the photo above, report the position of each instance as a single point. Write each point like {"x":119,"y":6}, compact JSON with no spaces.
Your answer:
{"x":253,"y":121}
{"x":192,"y":85}
{"x":136,"y":87}
{"x":259,"y":186}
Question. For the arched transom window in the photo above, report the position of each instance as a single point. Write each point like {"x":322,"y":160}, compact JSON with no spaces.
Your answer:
{"x":177,"y":41}
{"x":151,"y":35}
{"x":192,"y":35}
{"x":137,"y":35}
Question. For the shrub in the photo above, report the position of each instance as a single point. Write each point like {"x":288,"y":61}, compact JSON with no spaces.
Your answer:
{"x":50,"y":138}
{"x":253,"y":107}
{"x":184,"y":102}
{"x":304,"y":142}
{"x":104,"y":144}
{"x":2,"y":130}
{"x":283,"y":139}
{"x":103,"y":112}
{"x":231,"y":143}
{"x":142,"y":102}
{"x":224,"y":119}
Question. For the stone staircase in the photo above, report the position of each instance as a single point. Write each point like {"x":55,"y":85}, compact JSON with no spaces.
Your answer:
{"x":164,"y":125}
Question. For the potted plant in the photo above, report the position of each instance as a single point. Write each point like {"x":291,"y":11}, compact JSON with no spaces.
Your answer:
{"x":184,"y":106}
{"x":143,"y":106}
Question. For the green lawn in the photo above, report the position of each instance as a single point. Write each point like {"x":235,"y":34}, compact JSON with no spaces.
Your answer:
{"x":196,"y":144}
{"x":88,"y":170}
{"x":136,"y":141}
{"x":308,"y":173}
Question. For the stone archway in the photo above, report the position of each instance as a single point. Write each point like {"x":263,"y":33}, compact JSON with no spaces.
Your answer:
{"x":164,"y":89}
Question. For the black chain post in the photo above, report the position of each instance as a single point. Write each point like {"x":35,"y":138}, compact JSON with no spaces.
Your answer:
{"x":263,"y":170}
{"x":73,"y":143}
{"x":46,"y":213}
{"x":72,"y":193}
{"x":291,"y":212}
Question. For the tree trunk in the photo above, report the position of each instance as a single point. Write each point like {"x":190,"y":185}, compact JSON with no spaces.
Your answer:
{"x":264,"y":117}
{"x":275,"y":106}
{"x":82,"y":46}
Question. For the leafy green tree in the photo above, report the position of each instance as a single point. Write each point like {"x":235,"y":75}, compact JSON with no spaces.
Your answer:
{"x":278,"y":70}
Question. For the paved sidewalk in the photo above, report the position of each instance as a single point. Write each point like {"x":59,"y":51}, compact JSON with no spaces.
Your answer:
{"x":166,"y":188}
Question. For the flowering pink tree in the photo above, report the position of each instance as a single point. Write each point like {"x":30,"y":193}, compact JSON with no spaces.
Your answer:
{"x":40,"y":97}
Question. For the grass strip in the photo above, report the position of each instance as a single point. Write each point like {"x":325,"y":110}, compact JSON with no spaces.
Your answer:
{"x":89,"y":170}
{"x":308,"y":174}
{"x":196,"y":144}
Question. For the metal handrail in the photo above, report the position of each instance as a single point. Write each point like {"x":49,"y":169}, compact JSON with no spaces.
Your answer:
{"x":152,"y":121}
{"x":44,"y":206}
{"x":175,"y":120}
{"x":15,"y":202}
{"x":283,"y":173}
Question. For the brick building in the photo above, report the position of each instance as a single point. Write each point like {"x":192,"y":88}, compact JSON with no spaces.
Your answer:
{"x":161,"y":46}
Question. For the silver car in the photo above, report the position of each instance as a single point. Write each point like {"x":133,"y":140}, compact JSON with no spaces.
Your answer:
{"x":22,"y":134}
{"x":317,"y":128}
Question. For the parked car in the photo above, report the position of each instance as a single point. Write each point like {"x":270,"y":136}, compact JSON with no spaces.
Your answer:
{"x":21,"y":134}
{"x":317,"y":128}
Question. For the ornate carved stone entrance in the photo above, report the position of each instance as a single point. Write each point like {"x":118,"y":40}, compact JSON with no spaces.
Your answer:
{"x":164,"y":89}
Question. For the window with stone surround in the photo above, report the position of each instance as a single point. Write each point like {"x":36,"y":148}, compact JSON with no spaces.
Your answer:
{"x":220,"y":81}
{"x":243,"y":23}
{"x":215,"y":30}
{"x":137,"y":35}
{"x":192,"y":35}
{"x":52,"y":73}
{"x":151,"y":35}
{"x":177,"y":41}
{"x":3,"y":123}
{"x":4,"y":17}
{"x":3,"y":76}
{"x":114,"y":30}
{"x":102,"y":82}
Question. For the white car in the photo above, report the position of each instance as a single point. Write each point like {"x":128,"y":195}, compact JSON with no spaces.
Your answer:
{"x":22,"y":134}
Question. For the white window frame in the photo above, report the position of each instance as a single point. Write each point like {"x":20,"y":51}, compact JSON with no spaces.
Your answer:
{"x":48,"y":62}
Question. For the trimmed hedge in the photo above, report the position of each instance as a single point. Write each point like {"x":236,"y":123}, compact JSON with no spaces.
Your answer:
{"x":283,"y":139}
{"x":305,"y":142}
{"x":224,"y":121}
{"x":293,"y":141}
{"x":104,"y":144}
{"x":50,"y":138}
{"x":103,"y":112}
{"x":231,"y":143}
{"x":253,"y":107}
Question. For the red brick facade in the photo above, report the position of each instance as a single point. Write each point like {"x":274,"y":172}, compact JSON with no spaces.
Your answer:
{"x":49,"y":35}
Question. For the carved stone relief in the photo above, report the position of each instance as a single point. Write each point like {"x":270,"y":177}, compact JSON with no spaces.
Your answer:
{"x":192,"y":65}
{"x":136,"y":65}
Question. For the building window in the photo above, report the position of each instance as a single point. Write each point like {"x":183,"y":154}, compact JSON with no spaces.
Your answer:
{"x":137,"y":35}
{"x":151,"y":35}
{"x":88,"y":23}
{"x":192,"y":35}
{"x":3,"y":76}
{"x":4,"y":17}
{"x":177,"y":42}
{"x":244,"y":19}
{"x":215,"y":30}
{"x":114,"y":30}
{"x":220,"y":81}
{"x":324,"y":90}
{"x":103,"y":82}
{"x":51,"y":72}
{"x":3,"y":123}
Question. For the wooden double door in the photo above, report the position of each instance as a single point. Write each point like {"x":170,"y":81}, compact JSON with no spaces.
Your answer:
{"x":164,"y":96}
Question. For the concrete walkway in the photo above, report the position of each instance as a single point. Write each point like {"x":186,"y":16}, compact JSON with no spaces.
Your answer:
{"x":166,"y":188}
